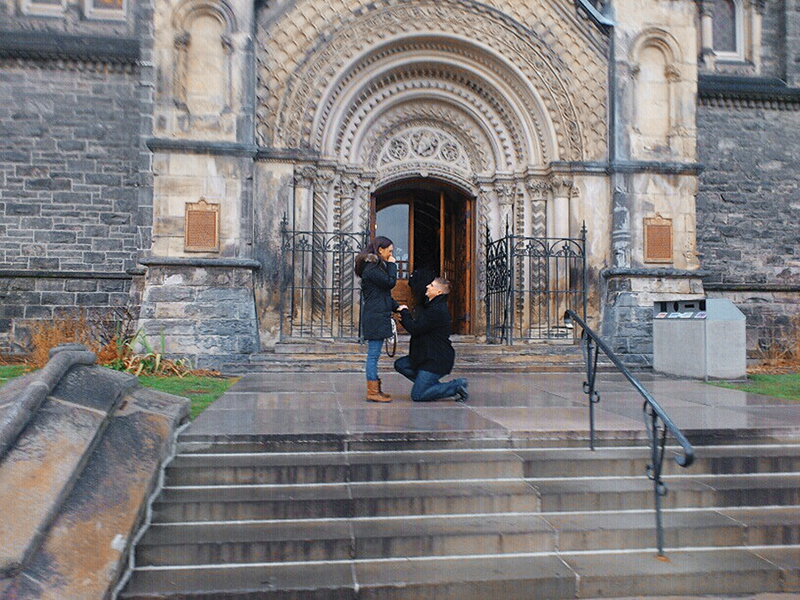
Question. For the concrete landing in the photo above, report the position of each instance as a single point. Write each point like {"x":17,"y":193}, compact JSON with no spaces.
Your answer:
{"x":510,"y":405}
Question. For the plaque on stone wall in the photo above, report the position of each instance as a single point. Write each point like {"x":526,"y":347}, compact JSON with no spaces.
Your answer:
{"x":201,"y":227}
{"x":657,"y":240}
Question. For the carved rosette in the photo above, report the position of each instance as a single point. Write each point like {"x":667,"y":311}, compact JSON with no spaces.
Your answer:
{"x":423,"y":149}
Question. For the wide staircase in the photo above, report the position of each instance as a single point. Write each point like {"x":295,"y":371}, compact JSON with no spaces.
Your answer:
{"x":561,"y":355}
{"x":469,"y":519}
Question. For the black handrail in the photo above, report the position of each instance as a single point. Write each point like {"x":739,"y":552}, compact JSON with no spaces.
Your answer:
{"x":653,"y":413}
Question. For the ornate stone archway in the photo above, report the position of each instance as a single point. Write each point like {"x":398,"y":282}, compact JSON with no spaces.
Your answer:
{"x":453,"y":91}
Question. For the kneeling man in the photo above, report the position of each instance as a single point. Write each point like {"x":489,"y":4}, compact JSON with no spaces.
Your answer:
{"x":431,"y":354}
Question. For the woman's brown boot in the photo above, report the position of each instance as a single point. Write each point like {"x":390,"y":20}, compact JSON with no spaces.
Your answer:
{"x":380,"y":390}
{"x":373,"y":393}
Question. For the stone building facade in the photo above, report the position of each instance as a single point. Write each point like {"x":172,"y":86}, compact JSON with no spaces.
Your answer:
{"x":163,"y":153}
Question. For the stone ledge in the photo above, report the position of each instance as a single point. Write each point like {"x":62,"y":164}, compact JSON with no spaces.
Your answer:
{"x":75,"y":486}
{"x":165,"y":261}
{"x":60,"y":46}
{"x":20,"y":410}
{"x":643,"y":272}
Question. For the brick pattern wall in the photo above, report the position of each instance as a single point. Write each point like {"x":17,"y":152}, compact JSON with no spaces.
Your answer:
{"x":69,"y":162}
{"x":748,"y":210}
{"x":748,"y":201}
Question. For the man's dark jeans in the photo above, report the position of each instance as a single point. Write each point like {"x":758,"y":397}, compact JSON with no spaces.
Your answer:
{"x":427,"y":386}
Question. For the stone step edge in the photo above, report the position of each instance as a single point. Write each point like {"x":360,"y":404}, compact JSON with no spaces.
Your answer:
{"x":512,"y":452}
{"x":648,"y":512}
{"x":485,"y":480}
{"x":464,"y":557}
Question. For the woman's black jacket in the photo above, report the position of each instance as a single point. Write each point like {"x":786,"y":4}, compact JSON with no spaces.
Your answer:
{"x":377,"y":280}
{"x":430,"y":348}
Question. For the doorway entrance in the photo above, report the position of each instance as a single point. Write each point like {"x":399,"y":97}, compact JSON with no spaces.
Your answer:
{"x":432,"y":227}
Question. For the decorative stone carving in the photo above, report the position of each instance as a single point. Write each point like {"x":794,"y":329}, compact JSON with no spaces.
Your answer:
{"x":424,"y":145}
{"x":297,"y":97}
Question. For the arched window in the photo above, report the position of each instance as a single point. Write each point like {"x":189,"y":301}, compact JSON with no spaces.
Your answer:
{"x":728,"y":29}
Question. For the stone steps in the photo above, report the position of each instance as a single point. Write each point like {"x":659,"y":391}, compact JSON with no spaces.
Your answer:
{"x":289,"y":540}
{"x":471,"y":356}
{"x":523,"y":576}
{"x":468,"y":520}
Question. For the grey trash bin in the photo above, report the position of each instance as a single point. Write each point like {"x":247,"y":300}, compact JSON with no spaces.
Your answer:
{"x":699,"y":338}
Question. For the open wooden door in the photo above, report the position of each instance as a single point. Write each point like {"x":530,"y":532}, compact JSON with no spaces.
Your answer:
{"x":457,"y":261}
{"x":432,"y":228}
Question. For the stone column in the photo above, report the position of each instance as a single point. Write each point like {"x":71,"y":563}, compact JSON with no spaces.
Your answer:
{"x":301,"y":201}
{"x":756,"y":18}
{"x":537,"y":193}
{"x":506,"y":192}
{"x":707,"y":56}
{"x":562,"y":190}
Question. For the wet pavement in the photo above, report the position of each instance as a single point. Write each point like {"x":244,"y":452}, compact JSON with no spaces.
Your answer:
{"x":499,"y":405}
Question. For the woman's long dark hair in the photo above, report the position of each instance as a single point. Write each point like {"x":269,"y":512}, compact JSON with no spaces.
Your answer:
{"x":380,"y":242}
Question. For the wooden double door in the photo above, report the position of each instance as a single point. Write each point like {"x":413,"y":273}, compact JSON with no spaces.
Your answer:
{"x":432,"y":228}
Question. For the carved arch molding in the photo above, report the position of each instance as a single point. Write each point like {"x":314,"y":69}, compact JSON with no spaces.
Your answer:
{"x":457,"y":91}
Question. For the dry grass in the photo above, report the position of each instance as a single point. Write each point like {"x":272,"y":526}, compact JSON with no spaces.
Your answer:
{"x":111,"y":337}
{"x":781,"y":354}
{"x":45,"y":335}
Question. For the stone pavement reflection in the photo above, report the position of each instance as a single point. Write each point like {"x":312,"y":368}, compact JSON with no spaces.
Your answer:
{"x":500,"y":405}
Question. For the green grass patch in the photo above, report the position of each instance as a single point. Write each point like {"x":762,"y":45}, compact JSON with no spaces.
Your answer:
{"x":11,"y":371}
{"x":781,"y":386}
{"x":201,"y":390}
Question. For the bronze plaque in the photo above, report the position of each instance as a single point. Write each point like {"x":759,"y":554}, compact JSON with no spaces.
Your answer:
{"x":201,"y":227}
{"x":658,"y":240}
{"x":108,"y":4}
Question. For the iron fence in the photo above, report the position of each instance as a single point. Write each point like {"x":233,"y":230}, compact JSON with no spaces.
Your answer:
{"x":320,"y":292}
{"x":530,"y":284}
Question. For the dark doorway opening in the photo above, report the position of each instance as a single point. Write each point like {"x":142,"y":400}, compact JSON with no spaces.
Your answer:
{"x":432,"y":227}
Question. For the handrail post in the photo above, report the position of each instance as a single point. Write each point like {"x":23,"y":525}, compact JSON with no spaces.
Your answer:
{"x":658,"y":439}
{"x":653,"y":412}
{"x":591,"y":354}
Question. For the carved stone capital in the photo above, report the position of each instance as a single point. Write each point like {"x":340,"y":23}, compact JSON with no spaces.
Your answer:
{"x":561,"y":185}
{"x":506,"y":191}
{"x":538,"y":188}
{"x":303,"y":177}
{"x":706,"y":8}
{"x":182,"y":40}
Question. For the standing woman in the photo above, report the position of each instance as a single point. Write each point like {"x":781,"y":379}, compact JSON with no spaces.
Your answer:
{"x":377,"y":268}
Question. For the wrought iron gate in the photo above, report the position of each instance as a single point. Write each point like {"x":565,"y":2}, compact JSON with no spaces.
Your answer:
{"x":320,"y":293}
{"x":530,"y":284}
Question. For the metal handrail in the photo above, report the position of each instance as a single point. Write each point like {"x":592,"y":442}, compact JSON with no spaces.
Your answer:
{"x":653,"y":414}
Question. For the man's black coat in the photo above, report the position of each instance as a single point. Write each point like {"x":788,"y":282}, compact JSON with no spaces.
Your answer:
{"x":430,"y":348}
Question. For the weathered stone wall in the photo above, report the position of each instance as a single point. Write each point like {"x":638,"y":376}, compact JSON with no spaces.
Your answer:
{"x":748,"y":207}
{"x":200,"y":309}
{"x":748,"y":202}
{"x":68,"y":165}
{"x":68,"y":162}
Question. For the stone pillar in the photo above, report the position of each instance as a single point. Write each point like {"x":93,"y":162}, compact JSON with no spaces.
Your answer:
{"x":562,"y":190}
{"x":506,"y":192}
{"x":537,"y":194}
{"x":302,"y":202}
{"x":756,"y":18}
{"x":707,"y":56}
